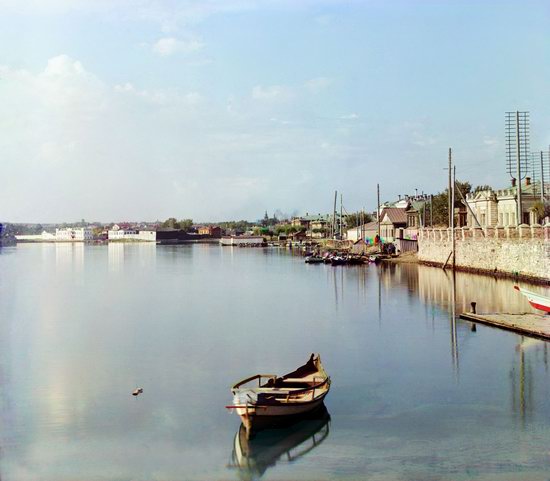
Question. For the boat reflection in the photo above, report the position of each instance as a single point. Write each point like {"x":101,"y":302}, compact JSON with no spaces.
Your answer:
{"x":253,"y":456}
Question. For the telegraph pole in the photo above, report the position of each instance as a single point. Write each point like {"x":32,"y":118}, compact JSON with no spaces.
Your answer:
{"x":431,"y":210}
{"x":334,"y":215}
{"x":542,"y":176}
{"x":450,"y":186}
{"x":518,"y":168}
{"x":341,"y":226}
{"x":453,"y":216}
{"x":378,"y":208}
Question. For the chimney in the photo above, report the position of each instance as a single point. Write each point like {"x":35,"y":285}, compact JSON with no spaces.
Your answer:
{"x":399,"y":197}
{"x":527,"y":180}
{"x":513,"y":182}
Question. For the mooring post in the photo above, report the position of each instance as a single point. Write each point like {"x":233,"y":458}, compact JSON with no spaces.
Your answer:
{"x":473,"y":304}
{"x":473,"y":328}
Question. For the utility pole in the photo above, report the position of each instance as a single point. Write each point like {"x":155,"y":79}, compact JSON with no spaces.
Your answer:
{"x":518,"y":168}
{"x":431,"y":210}
{"x":334,"y":215}
{"x":541,"y":177}
{"x":341,"y":226}
{"x":378,"y":209}
{"x":362,"y":223}
{"x":453,"y":216}
{"x":450,"y":187}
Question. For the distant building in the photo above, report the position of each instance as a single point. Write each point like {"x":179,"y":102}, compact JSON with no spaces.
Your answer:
{"x":68,"y":234}
{"x":499,"y":207}
{"x":391,"y":220}
{"x":74,"y":234}
{"x":242,"y":240}
{"x":119,"y":232}
{"x":299,"y":236}
{"x":147,"y":235}
{"x":210,"y":230}
{"x":367,"y":232}
{"x":44,"y":237}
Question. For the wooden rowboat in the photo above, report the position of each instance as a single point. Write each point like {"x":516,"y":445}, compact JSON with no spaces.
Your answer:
{"x":538,"y":301}
{"x":266,"y":398}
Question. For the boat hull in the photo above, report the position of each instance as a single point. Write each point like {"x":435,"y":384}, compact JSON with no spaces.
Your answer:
{"x":540,"y":307}
{"x":273,"y":418}
{"x":537,"y":301}
{"x":278,"y":410}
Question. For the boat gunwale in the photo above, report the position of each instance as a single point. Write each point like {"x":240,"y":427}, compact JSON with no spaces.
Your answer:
{"x":252,"y":407}
{"x":278,"y":388}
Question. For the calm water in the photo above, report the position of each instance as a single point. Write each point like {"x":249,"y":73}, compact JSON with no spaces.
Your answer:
{"x":415,"y":396}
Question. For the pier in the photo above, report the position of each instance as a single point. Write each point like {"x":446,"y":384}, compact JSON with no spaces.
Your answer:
{"x":534,"y":325}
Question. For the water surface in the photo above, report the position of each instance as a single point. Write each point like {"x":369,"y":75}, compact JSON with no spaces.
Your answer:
{"x":415,"y":395}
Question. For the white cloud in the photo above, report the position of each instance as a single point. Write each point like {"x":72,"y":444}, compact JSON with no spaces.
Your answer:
{"x":70,"y":134}
{"x":318,"y":84}
{"x":167,"y":46}
{"x":271,"y":93}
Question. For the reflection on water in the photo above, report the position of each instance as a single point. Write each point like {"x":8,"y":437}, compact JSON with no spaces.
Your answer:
{"x":252,"y":457}
{"x":116,"y":255}
{"x":416,"y":393}
{"x":529,"y":353}
{"x":68,"y":255}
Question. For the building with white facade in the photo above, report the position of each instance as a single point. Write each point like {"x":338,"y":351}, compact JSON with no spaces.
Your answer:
{"x":44,"y":237}
{"x":149,"y":235}
{"x":500,"y":207}
{"x":74,"y":234}
{"x":118,"y":233}
{"x":68,"y":234}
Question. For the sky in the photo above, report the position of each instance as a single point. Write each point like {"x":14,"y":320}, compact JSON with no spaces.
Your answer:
{"x":119,"y":110}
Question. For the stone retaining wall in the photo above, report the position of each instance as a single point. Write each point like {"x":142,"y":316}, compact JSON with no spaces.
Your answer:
{"x":522,"y":250}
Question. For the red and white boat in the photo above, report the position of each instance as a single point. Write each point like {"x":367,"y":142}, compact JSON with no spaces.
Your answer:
{"x":538,"y":301}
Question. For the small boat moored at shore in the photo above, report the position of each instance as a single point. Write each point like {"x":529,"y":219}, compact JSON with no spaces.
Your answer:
{"x":314,"y":260}
{"x":538,"y":301}
{"x":276,"y":398}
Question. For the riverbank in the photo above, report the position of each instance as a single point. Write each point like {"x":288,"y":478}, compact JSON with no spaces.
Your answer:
{"x":404,"y":258}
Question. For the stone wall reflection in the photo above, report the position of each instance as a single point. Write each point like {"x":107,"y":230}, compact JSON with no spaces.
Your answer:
{"x":434,"y":286}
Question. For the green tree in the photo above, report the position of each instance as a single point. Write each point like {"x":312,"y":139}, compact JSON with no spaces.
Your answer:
{"x":440,"y":202}
{"x":185,"y":224}
{"x":354,"y":219}
{"x":542,"y":210}
{"x":242,"y":225}
{"x":170,"y":223}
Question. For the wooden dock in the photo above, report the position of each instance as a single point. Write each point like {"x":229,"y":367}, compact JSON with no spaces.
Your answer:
{"x":534,"y":325}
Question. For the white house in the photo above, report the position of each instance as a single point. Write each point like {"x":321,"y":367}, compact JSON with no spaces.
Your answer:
{"x":148,"y":235}
{"x":499,"y":207}
{"x":118,"y":233}
{"x":74,"y":234}
{"x":44,"y":237}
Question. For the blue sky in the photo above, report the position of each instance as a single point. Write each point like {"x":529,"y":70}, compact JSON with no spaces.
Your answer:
{"x":219,"y":109}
